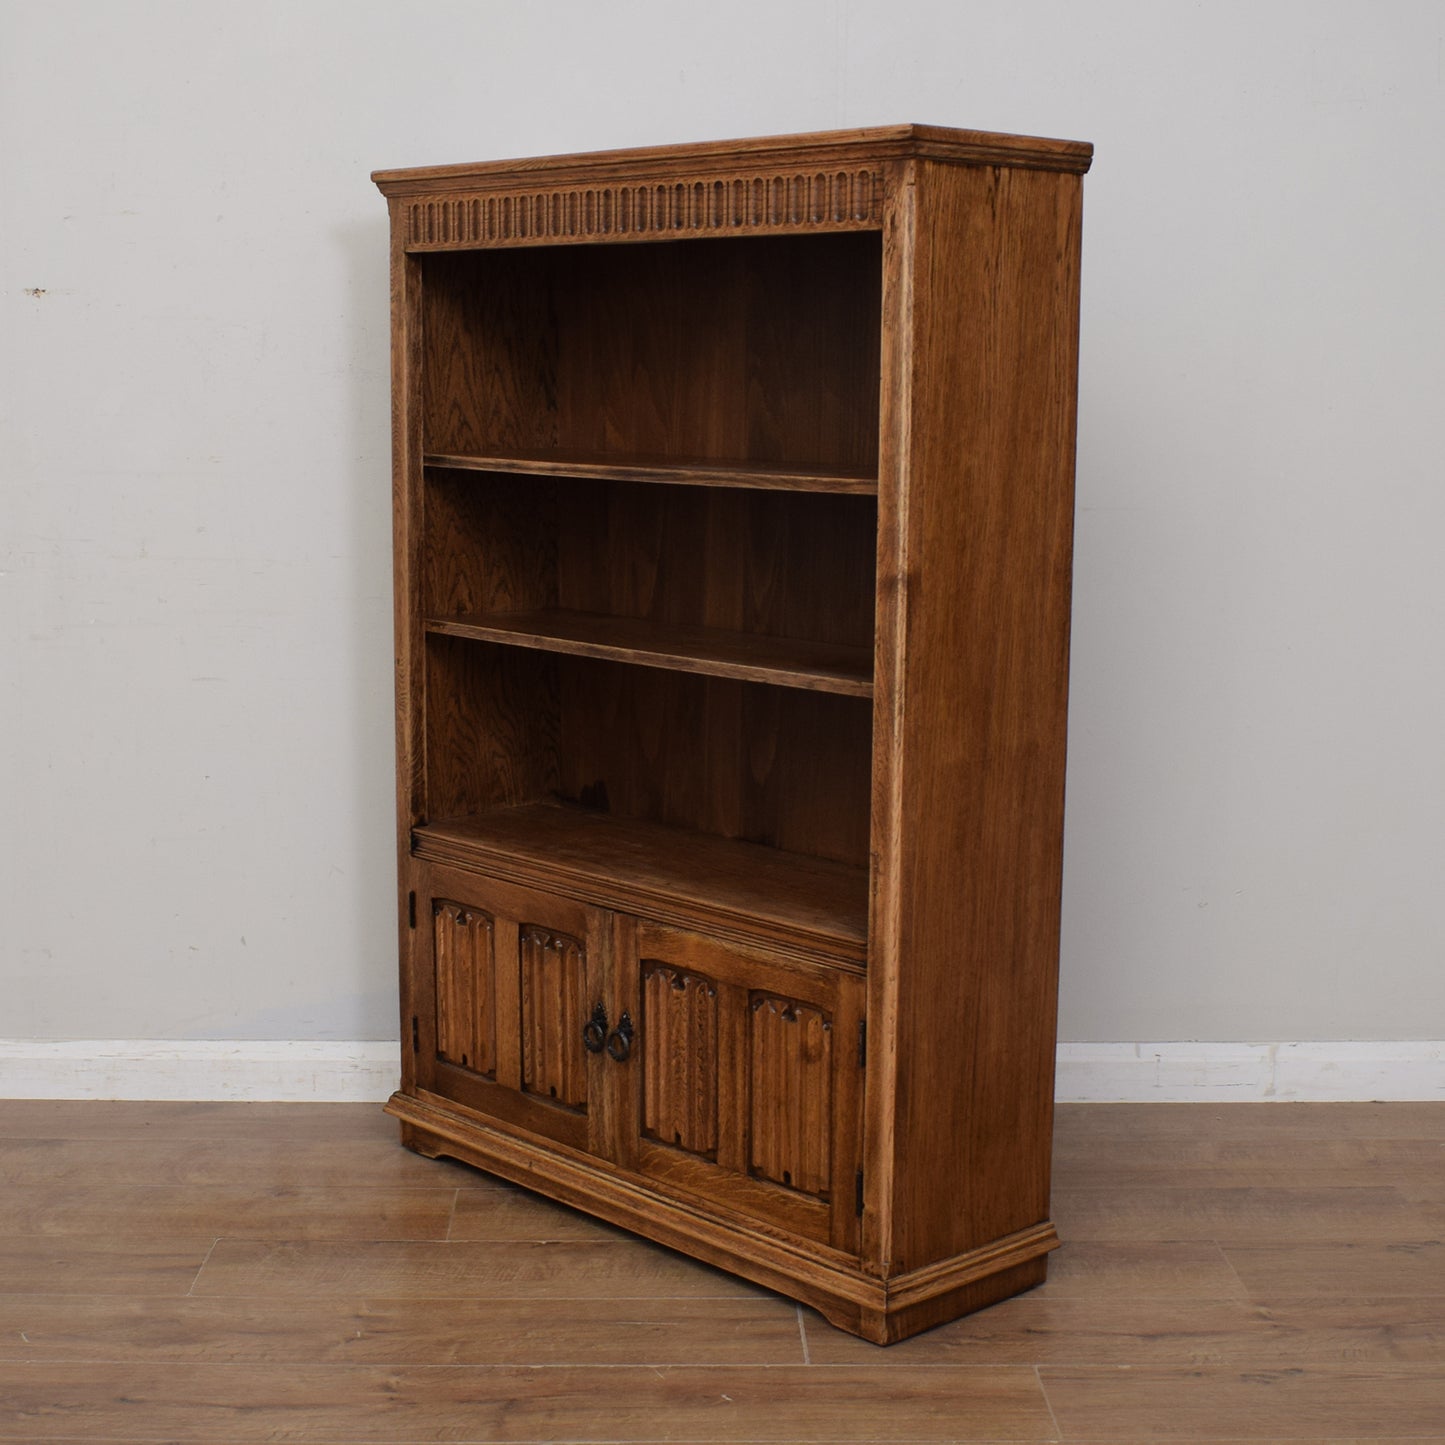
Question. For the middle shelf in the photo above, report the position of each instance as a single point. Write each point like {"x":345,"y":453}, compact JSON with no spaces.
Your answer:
{"x":713,"y":652}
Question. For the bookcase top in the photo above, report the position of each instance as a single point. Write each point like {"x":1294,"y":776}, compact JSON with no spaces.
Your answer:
{"x":817,"y":150}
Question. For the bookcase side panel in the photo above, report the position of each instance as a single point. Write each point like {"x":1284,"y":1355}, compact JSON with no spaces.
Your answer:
{"x":982,"y":523}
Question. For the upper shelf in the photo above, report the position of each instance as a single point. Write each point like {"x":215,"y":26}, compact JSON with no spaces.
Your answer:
{"x":781,"y":661}
{"x":678,"y":471}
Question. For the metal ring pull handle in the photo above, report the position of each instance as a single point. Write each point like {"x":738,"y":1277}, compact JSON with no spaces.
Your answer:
{"x":619,"y":1041}
{"x":594,"y":1031}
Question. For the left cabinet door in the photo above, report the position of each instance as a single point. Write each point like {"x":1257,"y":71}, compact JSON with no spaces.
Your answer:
{"x":506,"y":983}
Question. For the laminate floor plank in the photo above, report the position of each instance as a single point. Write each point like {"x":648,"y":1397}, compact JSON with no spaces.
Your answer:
{"x":1189,"y":1269}
{"x":221,"y":1274}
{"x":359,"y":1406}
{"x":120,"y":1329}
{"x":101,"y":1265}
{"x":143,"y":1120}
{"x":1242,"y":1215}
{"x":514,"y":1213}
{"x":1341,"y":1270}
{"x":1081,"y":1163}
{"x":1132,"y":1125}
{"x":625,"y":1269}
{"x":268,"y":1212}
{"x":1154,"y":1404}
{"x":278,"y":1162}
{"x":1034,"y":1329}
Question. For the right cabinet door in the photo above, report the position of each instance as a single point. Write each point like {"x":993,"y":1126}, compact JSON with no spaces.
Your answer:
{"x":746,"y":1079}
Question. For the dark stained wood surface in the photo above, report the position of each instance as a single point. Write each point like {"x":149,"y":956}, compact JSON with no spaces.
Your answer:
{"x":870,"y":145}
{"x":972,"y":703}
{"x":664,"y":470}
{"x":902,"y":308}
{"x":623,"y":863}
{"x":762,"y":351}
{"x":526,"y":1321}
{"x":783,"y":662}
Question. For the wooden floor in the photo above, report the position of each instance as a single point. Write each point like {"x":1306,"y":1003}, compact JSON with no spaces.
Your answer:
{"x":230,"y":1273}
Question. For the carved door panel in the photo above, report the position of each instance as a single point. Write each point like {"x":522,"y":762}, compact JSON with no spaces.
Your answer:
{"x":506,"y":980}
{"x":745,"y":1079}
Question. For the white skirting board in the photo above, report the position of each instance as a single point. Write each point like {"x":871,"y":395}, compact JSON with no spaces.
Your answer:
{"x":288,"y":1070}
{"x":1209,"y":1073}
{"x":366,"y":1072}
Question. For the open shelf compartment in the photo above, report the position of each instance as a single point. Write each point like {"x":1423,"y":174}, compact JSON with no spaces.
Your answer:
{"x":764,"y":586}
{"x":745,"y":353}
{"x":671,"y":874}
{"x":688,"y":798}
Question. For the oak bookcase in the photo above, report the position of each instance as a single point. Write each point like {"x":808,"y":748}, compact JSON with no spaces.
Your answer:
{"x":733,"y":508}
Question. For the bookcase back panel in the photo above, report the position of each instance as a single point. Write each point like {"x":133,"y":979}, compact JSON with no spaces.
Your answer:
{"x":779,"y":564}
{"x":771,"y":765}
{"x":491,"y":727}
{"x":764,"y":349}
{"x":777,"y":766}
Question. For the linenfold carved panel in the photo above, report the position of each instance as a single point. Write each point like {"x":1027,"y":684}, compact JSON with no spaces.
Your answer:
{"x":838,"y":200}
{"x":464,"y":940}
{"x":791,"y":1057}
{"x":554,"y":1063}
{"x":680,"y":1058}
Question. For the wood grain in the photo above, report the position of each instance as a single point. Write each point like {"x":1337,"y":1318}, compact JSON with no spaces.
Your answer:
{"x":984,"y":279}
{"x":778,"y":767}
{"x":536,"y":1269}
{"x":1150,"y":1403}
{"x":117,"y":1336}
{"x":505,"y":1404}
{"x":744,"y":674}
{"x":100,"y":1264}
{"x":873,"y":144}
{"x":348,"y":1158}
{"x":1412,"y":1268}
{"x":138,"y":1211}
{"x":336,"y":1330}
{"x":162,"y":1124}
{"x":783,"y":662}
{"x":1242,"y":1215}
{"x":679,"y":1058}
{"x":1194,"y":1269}
{"x":666,"y":470}
{"x":735,"y":351}
{"x":661,"y":871}
{"x":464,"y":945}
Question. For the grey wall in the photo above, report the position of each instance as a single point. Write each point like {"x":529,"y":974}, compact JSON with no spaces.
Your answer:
{"x":194,"y":545}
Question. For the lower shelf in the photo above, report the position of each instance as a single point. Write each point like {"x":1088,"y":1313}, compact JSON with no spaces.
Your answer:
{"x":670,"y":874}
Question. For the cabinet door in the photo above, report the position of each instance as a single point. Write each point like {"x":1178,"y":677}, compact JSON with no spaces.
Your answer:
{"x":505,"y":981}
{"x":745,"y":1079}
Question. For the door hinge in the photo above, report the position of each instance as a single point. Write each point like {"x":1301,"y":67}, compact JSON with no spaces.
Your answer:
{"x":415,"y":1036}
{"x":411,"y":909}
{"x":858,"y":1194}
{"x":863,"y":1044}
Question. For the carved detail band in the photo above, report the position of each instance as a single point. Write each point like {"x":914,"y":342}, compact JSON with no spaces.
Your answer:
{"x":838,"y":200}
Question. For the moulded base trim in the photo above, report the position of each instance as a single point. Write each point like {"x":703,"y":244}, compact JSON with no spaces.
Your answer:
{"x":878,"y":1310}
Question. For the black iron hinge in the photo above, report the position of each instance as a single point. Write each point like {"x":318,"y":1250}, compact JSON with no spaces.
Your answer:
{"x":415,"y":1036}
{"x":863,"y":1045}
{"x":858,"y":1194}
{"x":411,"y":909}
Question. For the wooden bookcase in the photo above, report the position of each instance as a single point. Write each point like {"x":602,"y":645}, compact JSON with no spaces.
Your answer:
{"x":733,"y":507}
